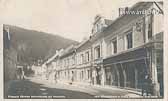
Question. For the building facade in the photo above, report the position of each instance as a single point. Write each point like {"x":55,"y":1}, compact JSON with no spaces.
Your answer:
{"x":64,"y":65}
{"x":98,"y":49}
{"x":133,"y":49}
{"x":83,"y":62}
{"x":118,"y":53}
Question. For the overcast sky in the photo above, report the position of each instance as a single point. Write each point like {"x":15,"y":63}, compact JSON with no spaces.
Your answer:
{"x":68,"y":18}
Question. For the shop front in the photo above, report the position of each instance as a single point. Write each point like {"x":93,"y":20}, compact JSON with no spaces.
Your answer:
{"x":127,"y":69}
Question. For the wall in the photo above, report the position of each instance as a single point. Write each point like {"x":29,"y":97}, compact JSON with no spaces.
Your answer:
{"x":158,"y":23}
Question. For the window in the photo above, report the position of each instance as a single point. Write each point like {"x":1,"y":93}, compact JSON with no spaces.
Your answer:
{"x":97,"y":28}
{"x":82,"y":58}
{"x":64,"y":63}
{"x":65,"y":74}
{"x":88,"y":71}
{"x":109,"y":48}
{"x":150,"y":27}
{"x":149,"y":31}
{"x":79,"y":59}
{"x":73,"y":60}
{"x":82,"y":75}
{"x":97,"y":52}
{"x":87,"y":56}
{"x":68,"y":61}
{"x":129,"y":40}
{"x":114,"y":46}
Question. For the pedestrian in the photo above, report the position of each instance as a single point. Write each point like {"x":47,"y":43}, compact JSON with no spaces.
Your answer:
{"x":149,"y":86}
{"x":146,"y":87}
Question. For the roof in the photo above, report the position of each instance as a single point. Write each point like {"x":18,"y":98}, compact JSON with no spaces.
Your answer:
{"x":82,"y":43}
{"x":52,"y":58}
{"x":69,"y":50}
{"x":85,"y":45}
{"x":121,"y":20}
{"x":125,"y":19}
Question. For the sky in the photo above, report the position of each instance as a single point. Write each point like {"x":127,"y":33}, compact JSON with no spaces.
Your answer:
{"x":68,"y":18}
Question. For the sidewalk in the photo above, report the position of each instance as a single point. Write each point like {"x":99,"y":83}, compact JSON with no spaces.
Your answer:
{"x":110,"y":89}
{"x":95,"y":90}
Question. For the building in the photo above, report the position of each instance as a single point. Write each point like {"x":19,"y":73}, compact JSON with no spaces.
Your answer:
{"x":37,"y":70}
{"x":135,"y":48}
{"x":48,"y":68}
{"x":98,"y":53}
{"x":83,"y":62}
{"x":65,"y":65}
{"x":118,"y":53}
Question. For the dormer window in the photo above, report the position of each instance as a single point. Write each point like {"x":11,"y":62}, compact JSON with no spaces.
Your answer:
{"x":99,"y":24}
{"x":97,"y":27}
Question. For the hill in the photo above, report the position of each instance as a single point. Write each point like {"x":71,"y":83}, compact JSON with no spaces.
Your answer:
{"x":33,"y":45}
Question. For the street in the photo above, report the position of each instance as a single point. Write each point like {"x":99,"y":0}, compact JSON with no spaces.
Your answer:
{"x":28,"y":88}
{"x":36,"y":88}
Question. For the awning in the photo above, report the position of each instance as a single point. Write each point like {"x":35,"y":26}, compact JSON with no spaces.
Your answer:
{"x":131,"y":55}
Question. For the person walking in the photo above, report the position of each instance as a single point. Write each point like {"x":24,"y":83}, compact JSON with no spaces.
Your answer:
{"x":146,"y":87}
{"x":149,"y":86}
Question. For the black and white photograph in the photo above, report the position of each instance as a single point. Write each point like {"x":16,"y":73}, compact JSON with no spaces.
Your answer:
{"x":83,"y":49}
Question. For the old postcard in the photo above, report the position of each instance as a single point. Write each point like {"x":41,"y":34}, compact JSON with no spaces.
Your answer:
{"x":83,"y":49}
